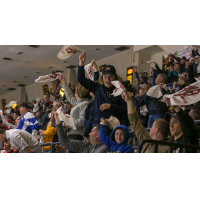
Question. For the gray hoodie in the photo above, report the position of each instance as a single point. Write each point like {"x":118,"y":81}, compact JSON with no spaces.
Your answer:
{"x":77,"y":112}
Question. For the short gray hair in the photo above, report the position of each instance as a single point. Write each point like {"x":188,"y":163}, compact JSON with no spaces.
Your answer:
{"x":163,"y":77}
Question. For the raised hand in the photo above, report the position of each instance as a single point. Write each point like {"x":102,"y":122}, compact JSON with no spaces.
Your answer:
{"x":104,"y":121}
{"x":104,"y":106}
{"x":62,"y":79}
{"x":82,"y":59}
{"x":56,"y":117}
{"x":94,"y":66}
{"x":126,"y":96}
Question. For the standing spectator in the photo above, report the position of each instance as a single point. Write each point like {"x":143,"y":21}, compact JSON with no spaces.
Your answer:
{"x":105,"y":103}
{"x":80,"y":102}
{"x":156,"y":108}
{"x":172,"y":75}
{"x":28,"y":122}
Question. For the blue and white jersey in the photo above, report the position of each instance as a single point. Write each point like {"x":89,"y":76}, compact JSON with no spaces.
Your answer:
{"x":29,"y":123}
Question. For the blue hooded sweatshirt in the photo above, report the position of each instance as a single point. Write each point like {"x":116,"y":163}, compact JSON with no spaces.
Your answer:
{"x":110,"y":141}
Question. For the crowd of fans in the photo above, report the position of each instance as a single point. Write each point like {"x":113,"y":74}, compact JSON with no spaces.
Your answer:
{"x":91,"y":105}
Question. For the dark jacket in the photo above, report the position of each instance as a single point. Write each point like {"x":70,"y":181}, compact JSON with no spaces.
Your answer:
{"x":112,"y":144}
{"x":103,"y":95}
{"x":190,"y":135}
{"x":154,"y":105}
{"x":139,"y":103}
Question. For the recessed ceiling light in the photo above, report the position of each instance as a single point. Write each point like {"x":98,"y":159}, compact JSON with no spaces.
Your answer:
{"x":71,"y":67}
{"x":7,"y":58}
{"x":11,"y":89}
{"x":34,"y":46}
{"x":122,"y":48}
{"x":21,"y":85}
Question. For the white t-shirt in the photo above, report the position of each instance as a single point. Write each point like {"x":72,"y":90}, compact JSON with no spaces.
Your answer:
{"x":20,"y":139}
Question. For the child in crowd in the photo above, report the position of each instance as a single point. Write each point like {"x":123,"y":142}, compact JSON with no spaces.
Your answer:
{"x":118,"y":140}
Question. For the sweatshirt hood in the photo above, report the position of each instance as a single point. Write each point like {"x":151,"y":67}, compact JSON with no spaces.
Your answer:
{"x":126,"y":132}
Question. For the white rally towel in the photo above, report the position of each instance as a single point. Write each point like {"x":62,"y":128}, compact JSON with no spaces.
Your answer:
{"x":36,"y":107}
{"x":66,"y":118}
{"x":49,"y":77}
{"x":119,"y":88}
{"x":150,"y":61}
{"x":10,"y":104}
{"x":143,"y":110}
{"x":113,"y":121}
{"x":38,"y":99}
{"x":155,"y":91}
{"x":67,"y":51}
{"x":187,"y":96}
{"x":88,"y":69}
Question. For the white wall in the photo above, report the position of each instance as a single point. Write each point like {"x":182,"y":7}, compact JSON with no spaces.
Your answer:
{"x":11,"y":96}
{"x":120,"y":61}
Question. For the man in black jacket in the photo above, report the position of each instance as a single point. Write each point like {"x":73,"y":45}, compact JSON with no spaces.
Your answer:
{"x":156,"y":108}
{"x":182,"y":126}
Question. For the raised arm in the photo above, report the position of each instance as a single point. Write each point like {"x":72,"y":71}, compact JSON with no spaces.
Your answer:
{"x":103,"y":134}
{"x":86,"y":83}
{"x":68,"y":93}
{"x":134,"y":119}
{"x":73,"y":145}
{"x":6,"y":123}
{"x":187,"y":125}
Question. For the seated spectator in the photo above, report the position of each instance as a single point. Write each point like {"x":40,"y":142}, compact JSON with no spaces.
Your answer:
{"x":49,"y":134}
{"x":159,"y":131}
{"x":10,"y":125}
{"x":8,"y":120}
{"x":173,"y":75}
{"x":195,"y":115}
{"x":21,"y":140}
{"x":28,"y":122}
{"x":118,"y":140}
{"x":105,"y":103}
{"x":156,"y":108}
{"x":182,"y":126}
{"x":93,"y":145}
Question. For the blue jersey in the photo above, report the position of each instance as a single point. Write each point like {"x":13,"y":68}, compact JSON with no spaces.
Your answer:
{"x":29,"y":123}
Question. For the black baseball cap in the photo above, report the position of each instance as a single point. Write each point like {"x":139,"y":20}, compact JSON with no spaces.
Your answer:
{"x":109,"y":69}
{"x":169,"y":115}
{"x":24,"y":104}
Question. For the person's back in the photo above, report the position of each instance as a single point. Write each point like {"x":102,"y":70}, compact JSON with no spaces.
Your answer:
{"x":20,"y":139}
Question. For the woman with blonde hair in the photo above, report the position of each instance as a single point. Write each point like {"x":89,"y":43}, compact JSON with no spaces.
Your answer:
{"x":80,"y":101}
{"x":106,"y":104}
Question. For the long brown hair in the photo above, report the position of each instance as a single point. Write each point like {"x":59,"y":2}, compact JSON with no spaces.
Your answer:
{"x":116,"y":76}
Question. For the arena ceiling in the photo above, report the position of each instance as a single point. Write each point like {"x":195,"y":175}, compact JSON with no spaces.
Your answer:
{"x":20,"y":65}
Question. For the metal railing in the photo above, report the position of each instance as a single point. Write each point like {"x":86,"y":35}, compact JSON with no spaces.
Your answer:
{"x":52,"y":144}
{"x":183,"y":147}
